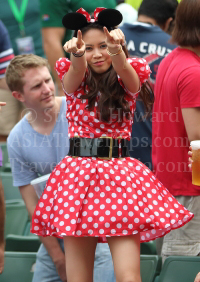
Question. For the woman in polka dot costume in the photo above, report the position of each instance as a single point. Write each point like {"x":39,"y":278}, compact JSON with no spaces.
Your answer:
{"x":88,"y":198}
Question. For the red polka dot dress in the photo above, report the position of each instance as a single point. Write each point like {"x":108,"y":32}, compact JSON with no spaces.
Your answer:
{"x":88,"y":196}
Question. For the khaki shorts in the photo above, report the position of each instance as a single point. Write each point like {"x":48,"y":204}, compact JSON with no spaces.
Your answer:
{"x":9,"y":114}
{"x":185,"y":241}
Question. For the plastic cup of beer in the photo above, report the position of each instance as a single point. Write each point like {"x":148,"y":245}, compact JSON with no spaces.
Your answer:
{"x":196,"y":162}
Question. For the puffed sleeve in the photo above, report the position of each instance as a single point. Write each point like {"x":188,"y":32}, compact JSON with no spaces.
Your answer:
{"x":62,"y":66}
{"x":143,"y":70}
{"x":141,"y":67}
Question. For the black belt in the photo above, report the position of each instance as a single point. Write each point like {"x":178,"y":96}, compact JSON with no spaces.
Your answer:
{"x":105,"y":147}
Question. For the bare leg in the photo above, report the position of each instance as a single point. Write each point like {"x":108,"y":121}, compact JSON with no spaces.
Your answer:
{"x":125,"y":252}
{"x":79,"y":255}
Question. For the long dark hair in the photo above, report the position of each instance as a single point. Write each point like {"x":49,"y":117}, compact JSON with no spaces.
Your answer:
{"x":112,"y":99}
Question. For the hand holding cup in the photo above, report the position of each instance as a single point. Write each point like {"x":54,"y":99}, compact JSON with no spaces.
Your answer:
{"x":190,"y":158}
{"x":195,"y":161}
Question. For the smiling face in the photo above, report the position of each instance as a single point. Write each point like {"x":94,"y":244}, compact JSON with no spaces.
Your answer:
{"x":96,"y":50}
{"x":38,"y":89}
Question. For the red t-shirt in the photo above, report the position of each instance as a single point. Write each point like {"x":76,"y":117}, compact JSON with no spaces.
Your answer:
{"x":177,"y":87}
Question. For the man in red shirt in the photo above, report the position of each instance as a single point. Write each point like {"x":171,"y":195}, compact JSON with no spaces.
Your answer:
{"x":175,"y":120}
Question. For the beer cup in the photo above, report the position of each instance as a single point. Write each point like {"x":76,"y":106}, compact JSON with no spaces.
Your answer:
{"x":196,"y":162}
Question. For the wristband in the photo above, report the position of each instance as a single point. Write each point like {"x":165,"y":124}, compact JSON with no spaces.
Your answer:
{"x":114,"y":54}
{"x":78,"y":55}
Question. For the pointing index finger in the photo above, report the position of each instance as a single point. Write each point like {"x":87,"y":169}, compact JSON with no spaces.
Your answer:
{"x":79,"y":37}
{"x":107,"y":33}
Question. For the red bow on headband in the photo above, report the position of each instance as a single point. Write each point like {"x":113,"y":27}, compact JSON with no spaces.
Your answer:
{"x":87,"y":15}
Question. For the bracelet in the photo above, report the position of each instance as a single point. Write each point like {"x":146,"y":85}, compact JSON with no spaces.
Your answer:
{"x":114,"y":54}
{"x":78,"y":55}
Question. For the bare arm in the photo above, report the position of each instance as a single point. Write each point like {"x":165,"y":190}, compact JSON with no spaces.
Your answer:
{"x":51,"y":244}
{"x":74,"y":76}
{"x":52,"y":42}
{"x":191,"y":117}
{"x":128,"y":75}
{"x":3,"y":84}
{"x":1,"y":228}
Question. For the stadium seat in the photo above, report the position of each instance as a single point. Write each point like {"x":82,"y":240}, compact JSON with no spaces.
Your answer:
{"x":7,"y":167}
{"x":21,"y":243}
{"x":150,"y":267}
{"x":18,"y":267}
{"x":27,"y":229}
{"x":3,"y":146}
{"x":14,"y":202}
{"x":16,"y":219}
{"x":179,"y":269}
{"x":148,"y":248}
{"x":10,"y":192}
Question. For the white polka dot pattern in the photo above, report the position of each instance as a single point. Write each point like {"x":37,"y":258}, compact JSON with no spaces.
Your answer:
{"x":114,"y":197}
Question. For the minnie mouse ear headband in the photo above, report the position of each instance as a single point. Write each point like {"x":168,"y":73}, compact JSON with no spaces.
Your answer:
{"x":102,"y":16}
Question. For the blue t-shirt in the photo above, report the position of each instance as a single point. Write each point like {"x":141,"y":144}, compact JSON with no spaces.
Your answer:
{"x":33,"y":154}
{"x":151,"y":43}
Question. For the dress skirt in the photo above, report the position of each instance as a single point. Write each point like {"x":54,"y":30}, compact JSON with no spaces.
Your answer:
{"x":87,"y":196}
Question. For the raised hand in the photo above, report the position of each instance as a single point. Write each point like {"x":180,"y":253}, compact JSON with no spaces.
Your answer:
{"x":75,"y":45}
{"x":114,"y":38}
